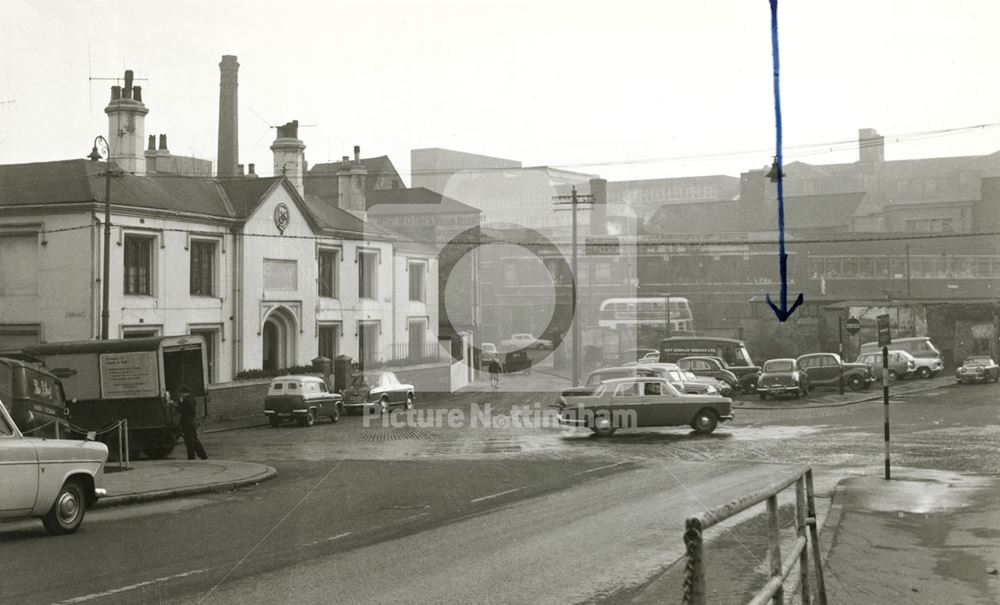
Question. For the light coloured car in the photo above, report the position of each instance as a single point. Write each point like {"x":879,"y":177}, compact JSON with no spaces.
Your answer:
{"x":301,"y":398}
{"x":377,"y":391}
{"x":978,"y":368}
{"x":526,"y":341}
{"x":642,"y":401}
{"x":488,"y":353}
{"x":56,"y":480}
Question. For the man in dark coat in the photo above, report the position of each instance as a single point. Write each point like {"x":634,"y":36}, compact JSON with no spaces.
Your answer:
{"x":189,"y":424}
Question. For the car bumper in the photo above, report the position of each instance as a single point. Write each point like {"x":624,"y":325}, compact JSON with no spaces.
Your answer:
{"x":100,"y":492}
{"x":973,"y":378}
{"x":727,"y":417}
{"x":286,"y":413}
{"x":774,"y":388}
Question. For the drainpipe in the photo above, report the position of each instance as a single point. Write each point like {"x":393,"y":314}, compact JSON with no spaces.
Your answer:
{"x":237,"y":327}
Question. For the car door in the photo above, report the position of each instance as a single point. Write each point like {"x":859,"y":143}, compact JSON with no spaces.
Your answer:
{"x":655,"y":407}
{"x":626,"y":402}
{"x":19,"y":469}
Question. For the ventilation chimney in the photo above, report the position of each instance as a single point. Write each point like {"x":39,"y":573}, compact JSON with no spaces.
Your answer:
{"x":251,"y":171}
{"x":163,"y":142}
{"x":126,"y":127}
{"x":289,"y":155}
{"x":151,"y":146}
{"x":228,"y":153}
{"x":871,"y":146}
{"x":351,"y":185}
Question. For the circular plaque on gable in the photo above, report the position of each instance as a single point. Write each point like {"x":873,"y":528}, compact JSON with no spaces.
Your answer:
{"x":282,"y":217}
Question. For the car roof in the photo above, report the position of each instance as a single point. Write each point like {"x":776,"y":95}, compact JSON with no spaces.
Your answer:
{"x":296,"y":377}
{"x":791,"y":359}
{"x":616,"y":381}
{"x":659,"y":364}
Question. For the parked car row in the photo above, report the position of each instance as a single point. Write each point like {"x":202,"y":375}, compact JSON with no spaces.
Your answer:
{"x":303,"y":399}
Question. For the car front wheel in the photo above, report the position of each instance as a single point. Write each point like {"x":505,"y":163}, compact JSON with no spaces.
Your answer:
{"x":66,"y":513}
{"x":705,"y":421}
{"x":409,"y":402}
{"x":924,"y":372}
{"x":856,"y":383}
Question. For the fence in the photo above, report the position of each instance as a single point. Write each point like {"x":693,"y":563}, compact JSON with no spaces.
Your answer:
{"x":425,"y":351}
{"x":806,"y":540}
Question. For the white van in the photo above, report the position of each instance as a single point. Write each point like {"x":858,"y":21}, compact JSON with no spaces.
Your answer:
{"x":926,"y":355}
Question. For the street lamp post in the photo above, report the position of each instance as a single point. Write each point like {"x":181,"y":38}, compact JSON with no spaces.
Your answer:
{"x":105,"y":275}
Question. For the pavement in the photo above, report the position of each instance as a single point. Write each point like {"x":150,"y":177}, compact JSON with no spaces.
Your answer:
{"x":922,"y":537}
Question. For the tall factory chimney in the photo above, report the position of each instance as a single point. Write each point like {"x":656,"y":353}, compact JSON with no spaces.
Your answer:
{"x":228,"y":157}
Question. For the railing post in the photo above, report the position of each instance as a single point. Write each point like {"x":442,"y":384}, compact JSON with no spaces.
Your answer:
{"x":128,"y":462}
{"x":774,"y":547}
{"x":694,"y":572}
{"x":801,"y":532}
{"x":814,"y":538}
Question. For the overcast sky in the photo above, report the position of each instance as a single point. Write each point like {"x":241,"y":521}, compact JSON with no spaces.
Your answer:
{"x":622,"y":89}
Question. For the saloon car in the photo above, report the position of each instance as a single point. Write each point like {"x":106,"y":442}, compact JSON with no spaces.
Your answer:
{"x":488,"y":353}
{"x":688,"y":382}
{"x":901,"y":364}
{"x":713,"y":367}
{"x":599,"y":377}
{"x":56,"y":480}
{"x":643,"y":401}
{"x":826,"y":369}
{"x":978,"y":368}
{"x":378,"y":391}
{"x":526,"y":341}
{"x":782,"y":376}
{"x":302,"y":399}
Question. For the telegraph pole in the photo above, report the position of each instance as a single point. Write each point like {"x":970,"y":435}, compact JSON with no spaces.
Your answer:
{"x":574,"y":200}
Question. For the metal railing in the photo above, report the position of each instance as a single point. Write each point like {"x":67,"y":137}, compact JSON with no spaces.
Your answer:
{"x":807,"y":539}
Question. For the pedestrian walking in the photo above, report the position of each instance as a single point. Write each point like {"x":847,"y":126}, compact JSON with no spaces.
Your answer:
{"x":189,"y":424}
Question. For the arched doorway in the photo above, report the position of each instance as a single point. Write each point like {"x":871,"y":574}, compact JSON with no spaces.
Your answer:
{"x":278,"y":336}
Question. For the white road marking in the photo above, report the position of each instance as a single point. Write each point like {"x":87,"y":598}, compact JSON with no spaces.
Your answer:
{"x":491,"y":496}
{"x":330,"y":539}
{"x":107,"y":593}
{"x":601,"y":468}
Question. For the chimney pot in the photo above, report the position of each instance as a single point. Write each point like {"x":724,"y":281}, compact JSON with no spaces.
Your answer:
{"x":239,"y":169}
{"x":163,"y":142}
{"x":346,"y":159}
{"x":152,"y":143}
{"x":137,"y":93}
{"x":357,"y":153}
{"x":251,"y":169}
{"x":116,"y":92}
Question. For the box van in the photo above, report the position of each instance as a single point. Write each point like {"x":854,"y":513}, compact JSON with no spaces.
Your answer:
{"x":926,"y":355}
{"x":733,"y":352}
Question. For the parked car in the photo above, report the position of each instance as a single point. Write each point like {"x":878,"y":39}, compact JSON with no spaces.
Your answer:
{"x":515,"y":360}
{"x":599,"y":377}
{"x":733,"y":353}
{"x":301,"y":398}
{"x":711,"y":366}
{"x":378,"y":391}
{"x":978,"y":368}
{"x":688,"y":382}
{"x":782,"y":377}
{"x":926,"y":355}
{"x":825,"y":369}
{"x":526,"y":341}
{"x":56,"y":480}
{"x":629,"y":355}
{"x":488,"y":352}
{"x":901,"y":364}
{"x":642,"y":401}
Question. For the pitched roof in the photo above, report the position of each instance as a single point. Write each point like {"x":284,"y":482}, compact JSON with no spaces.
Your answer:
{"x":415,"y":199}
{"x":342,"y":223}
{"x":322,"y":181}
{"x":48,"y":182}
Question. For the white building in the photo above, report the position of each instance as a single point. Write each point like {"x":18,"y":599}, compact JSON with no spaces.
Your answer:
{"x":270,"y":277}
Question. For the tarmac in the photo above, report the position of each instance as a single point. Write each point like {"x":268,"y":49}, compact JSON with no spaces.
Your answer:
{"x":921,"y":537}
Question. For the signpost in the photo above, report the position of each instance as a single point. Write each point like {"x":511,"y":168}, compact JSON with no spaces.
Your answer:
{"x":884,"y":338}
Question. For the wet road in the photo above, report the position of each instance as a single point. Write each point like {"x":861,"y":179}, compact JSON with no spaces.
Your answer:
{"x":485,"y":507}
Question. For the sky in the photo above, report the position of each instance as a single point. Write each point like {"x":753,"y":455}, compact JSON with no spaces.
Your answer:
{"x":626,"y":90}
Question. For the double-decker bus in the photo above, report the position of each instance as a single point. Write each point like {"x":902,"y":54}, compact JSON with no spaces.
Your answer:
{"x":647,"y":312}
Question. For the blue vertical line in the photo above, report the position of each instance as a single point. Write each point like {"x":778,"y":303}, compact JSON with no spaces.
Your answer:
{"x":782,"y":257}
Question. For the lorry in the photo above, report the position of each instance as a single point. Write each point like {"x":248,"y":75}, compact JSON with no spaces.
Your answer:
{"x":134,"y":379}
{"x":34,"y":398}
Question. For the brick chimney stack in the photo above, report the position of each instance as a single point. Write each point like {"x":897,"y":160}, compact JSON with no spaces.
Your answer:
{"x":228,"y":152}
{"x":289,"y":155}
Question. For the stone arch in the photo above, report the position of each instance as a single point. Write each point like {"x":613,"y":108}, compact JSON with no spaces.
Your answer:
{"x":278,"y":339}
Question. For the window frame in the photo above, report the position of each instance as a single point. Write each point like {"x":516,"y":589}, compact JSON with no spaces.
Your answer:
{"x":421,"y":270}
{"x":213,"y":270}
{"x":334,"y":265}
{"x":149,"y":239}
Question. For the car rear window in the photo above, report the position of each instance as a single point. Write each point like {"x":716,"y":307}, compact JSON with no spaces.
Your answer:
{"x":278,"y":386}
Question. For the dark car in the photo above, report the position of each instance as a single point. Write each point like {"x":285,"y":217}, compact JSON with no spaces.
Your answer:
{"x":978,"y":368}
{"x":300,"y":398}
{"x":711,"y":366}
{"x":688,"y":382}
{"x":825,"y":369}
{"x":642,"y":401}
{"x":515,"y":360}
{"x":782,"y":377}
{"x":378,"y":391}
{"x":599,"y":377}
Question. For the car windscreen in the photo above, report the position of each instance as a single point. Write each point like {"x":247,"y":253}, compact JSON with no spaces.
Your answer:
{"x":778,"y":366}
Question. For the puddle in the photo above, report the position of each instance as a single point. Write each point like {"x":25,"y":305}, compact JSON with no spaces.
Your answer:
{"x":912,"y":491}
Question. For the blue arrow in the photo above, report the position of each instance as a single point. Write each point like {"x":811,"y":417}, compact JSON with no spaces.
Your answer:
{"x":783,"y":312}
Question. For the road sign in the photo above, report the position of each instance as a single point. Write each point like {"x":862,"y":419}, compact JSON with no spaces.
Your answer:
{"x":602,"y":247}
{"x":882,"y":324}
{"x":852,"y":325}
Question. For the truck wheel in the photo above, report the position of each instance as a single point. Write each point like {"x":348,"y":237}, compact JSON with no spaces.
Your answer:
{"x":275,"y":421}
{"x":856,"y":383}
{"x":66,"y":513}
